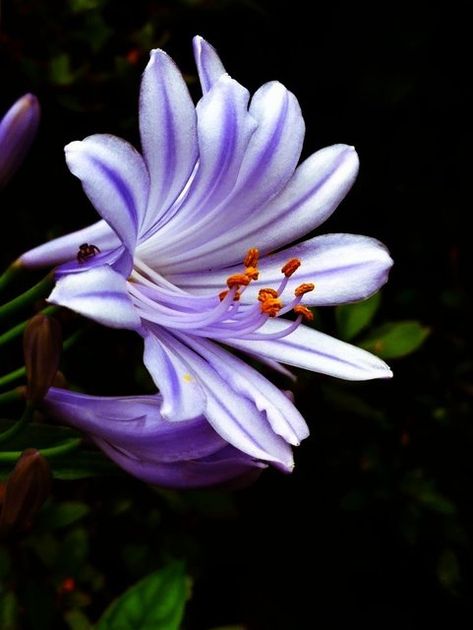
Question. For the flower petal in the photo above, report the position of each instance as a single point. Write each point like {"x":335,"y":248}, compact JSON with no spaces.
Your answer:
{"x":65,"y":248}
{"x":343,"y":267}
{"x":312,"y":350}
{"x":268,"y":164}
{"x":313,"y":193}
{"x":115,"y":179}
{"x":208,"y":63}
{"x":183,"y":396}
{"x":224,"y":130}
{"x":135,"y":423}
{"x":99,"y":294}
{"x":168,"y":133}
{"x":284,"y":418}
{"x":228,"y":465}
{"x":231,"y":414}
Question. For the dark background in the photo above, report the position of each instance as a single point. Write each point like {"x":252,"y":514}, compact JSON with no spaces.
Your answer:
{"x":374,"y":527}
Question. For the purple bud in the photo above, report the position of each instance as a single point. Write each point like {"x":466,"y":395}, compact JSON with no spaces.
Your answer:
{"x":17,"y":131}
{"x":25,"y":490}
{"x":42,"y":345}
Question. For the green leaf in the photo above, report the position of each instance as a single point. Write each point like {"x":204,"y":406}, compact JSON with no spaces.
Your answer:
{"x":353,"y":318}
{"x":155,"y":603}
{"x":56,"y":516}
{"x":396,"y":339}
{"x":60,"y":70}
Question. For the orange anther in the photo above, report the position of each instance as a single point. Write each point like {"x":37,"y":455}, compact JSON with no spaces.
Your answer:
{"x":290,"y":267}
{"x":264,"y":294}
{"x":251,"y":258}
{"x":238,"y":279}
{"x":306,"y":313}
{"x":252,"y":273}
{"x":223,"y":294}
{"x":305,"y":287}
{"x":271,"y":306}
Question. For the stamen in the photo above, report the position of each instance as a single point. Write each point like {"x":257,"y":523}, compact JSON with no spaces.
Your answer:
{"x":264,"y":294}
{"x":271,"y":306}
{"x":305,"y":287}
{"x":223,"y":294}
{"x":252,"y":273}
{"x":238,"y":279}
{"x":290,"y":267}
{"x":306,"y":313}
{"x":251,"y":258}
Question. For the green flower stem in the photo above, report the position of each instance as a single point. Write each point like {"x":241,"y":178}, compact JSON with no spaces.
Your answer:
{"x":18,"y":426}
{"x":19,"y":328}
{"x":31,"y":295}
{"x":11,"y":396}
{"x":11,"y":377}
{"x":52,"y":452}
{"x":10,"y":274}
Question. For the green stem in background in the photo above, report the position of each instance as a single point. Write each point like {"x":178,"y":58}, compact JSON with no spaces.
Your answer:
{"x":10,"y":274}
{"x":40,"y":290}
{"x":53,"y":451}
{"x":19,"y":328}
{"x":13,"y":395}
{"x":18,"y":426}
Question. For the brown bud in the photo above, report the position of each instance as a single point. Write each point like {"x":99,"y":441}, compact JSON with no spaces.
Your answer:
{"x":25,"y":490}
{"x":42,"y":346}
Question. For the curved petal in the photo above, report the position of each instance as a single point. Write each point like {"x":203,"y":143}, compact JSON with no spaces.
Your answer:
{"x":183,"y":396}
{"x":115,"y":179}
{"x":284,"y":418}
{"x":119,"y":259}
{"x":224,"y":130}
{"x":168,"y":133}
{"x":268,"y":164}
{"x":233,"y":415}
{"x":65,"y":248}
{"x":312,"y":350}
{"x":135,"y":423}
{"x":313,"y":193}
{"x":99,"y":294}
{"x":199,"y":473}
{"x":343,"y":267}
{"x":208,"y":63}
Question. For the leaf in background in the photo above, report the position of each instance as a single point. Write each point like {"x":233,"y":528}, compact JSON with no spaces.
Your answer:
{"x":9,"y":611}
{"x":156,"y":602}
{"x":353,"y":318}
{"x":396,"y":339}
{"x":56,"y":516}
{"x":60,"y":70}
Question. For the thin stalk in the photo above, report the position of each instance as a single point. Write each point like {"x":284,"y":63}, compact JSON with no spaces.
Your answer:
{"x":10,"y":274}
{"x":18,"y":426}
{"x":51,"y":453}
{"x":41,"y":289}
{"x":19,"y":328}
{"x":11,"y":396}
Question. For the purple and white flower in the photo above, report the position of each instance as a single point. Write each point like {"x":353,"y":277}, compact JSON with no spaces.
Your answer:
{"x":17,"y":131}
{"x":188,"y":251}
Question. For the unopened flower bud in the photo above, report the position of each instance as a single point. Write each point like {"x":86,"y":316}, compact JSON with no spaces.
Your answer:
{"x":17,"y":131}
{"x":42,"y":346}
{"x":25,"y":490}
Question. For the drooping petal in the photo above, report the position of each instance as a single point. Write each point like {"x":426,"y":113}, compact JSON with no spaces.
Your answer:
{"x":343,"y":267}
{"x":17,"y":131}
{"x":100,"y":294}
{"x":183,"y":395}
{"x":224,"y":130}
{"x":168,"y":133}
{"x":227,"y":465}
{"x":313,"y":193}
{"x":268,"y":164}
{"x":135,"y":423}
{"x":119,"y":259}
{"x":233,"y":415}
{"x":65,"y":248}
{"x":208,"y":63}
{"x":115,"y":179}
{"x":312,"y":350}
{"x":284,"y":418}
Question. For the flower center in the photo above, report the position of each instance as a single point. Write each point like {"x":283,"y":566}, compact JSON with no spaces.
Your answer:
{"x":225,"y":315}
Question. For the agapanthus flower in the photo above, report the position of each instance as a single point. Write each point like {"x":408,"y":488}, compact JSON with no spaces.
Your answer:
{"x":17,"y":131}
{"x":132,"y":432}
{"x":189,"y":251}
